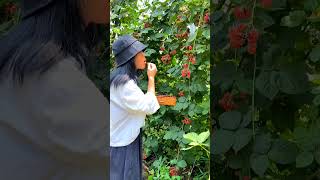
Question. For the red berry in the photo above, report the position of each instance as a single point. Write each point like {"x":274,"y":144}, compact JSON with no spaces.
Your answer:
{"x":162,"y":48}
{"x":147,"y":25}
{"x":246,"y":177}
{"x":173,"y":171}
{"x":252,"y":41}
{"x":181,"y":93}
{"x":144,"y":156}
{"x":266,"y":3}
{"x":166,"y":59}
{"x":236,"y":36}
{"x":227,"y":102}
{"x":173,"y":52}
{"x":186,"y":121}
{"x":192,"y":59}
{"x":185,"y":66}
{"x":206,"y":18}
{"x":190,"y":48}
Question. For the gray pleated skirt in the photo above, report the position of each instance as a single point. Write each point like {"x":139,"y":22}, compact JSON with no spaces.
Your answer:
{"x":126,"y":161}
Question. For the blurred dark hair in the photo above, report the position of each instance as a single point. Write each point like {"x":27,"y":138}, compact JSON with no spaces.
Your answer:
{"x":47,"y":37}
{"x":124,"y":73}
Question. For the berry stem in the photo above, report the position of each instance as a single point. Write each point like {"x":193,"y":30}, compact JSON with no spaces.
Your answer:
{"x":253,"y":94}
{"x":253,"y":11}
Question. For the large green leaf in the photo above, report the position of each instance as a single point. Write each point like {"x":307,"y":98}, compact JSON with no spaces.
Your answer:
{"x":264,"y":85}
{"x":304,"y":159}
{"x":262,"y":19}
{"x":316,"y":155}
{"x":259,"y":163}
{"x":182,"y":164}
{"x":222,"y":141}
{"x":242,"y":138}
{"x":311,"y":5}
{"x":315,"y":54}
{"x":236,"y":161}
{"x":262,"y":143}
{"x":203,"y":136}
{"x":230,"y":120}
{"x":283,"y":152}
{"x":295,"y":18}
{"x":292,"y":82}
{"x":225,"y":71}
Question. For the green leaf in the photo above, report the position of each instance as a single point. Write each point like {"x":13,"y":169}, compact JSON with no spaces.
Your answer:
{"x":317,"y":156}
{"x":230,"y":120}
{"x":246,"y":119}
{"x":264,"y":85}
{"x":262,"y":19}
{"x":182,"y":164}
{"x":315,"y":54}
{"x":283,"y":152}
{"x":292,"y":82}
{"x":262,"y":143}
{"x":192,"y":136}
{"x":236,"y":161}
{"x":311,"y":5}
{"x":242,"y":138}
{"x":304,"y":159}
{"x":294,"y":19}
{"x":203,"y":137}
{"x":225,"y":71}
{"x":259,"y":163}
{"x":222,"y":141}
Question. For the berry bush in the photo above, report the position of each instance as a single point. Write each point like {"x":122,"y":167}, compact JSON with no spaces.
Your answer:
{"x":266,"y":89}
{"x":177,"y":32}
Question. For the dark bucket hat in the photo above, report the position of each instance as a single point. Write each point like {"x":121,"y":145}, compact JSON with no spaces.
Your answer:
{"x":125,"y":48}
{"x":31,"y":7}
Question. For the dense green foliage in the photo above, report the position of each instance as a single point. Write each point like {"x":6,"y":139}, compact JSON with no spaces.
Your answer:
{"x":266,"y":86}
{"x":177,"y":33}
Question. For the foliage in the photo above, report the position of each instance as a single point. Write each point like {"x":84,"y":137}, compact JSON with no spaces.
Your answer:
{"x":265,"y":80}
{"x":177,"y":34}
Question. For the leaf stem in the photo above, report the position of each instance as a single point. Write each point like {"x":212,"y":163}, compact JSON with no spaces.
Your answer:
{"x":253,"y":94}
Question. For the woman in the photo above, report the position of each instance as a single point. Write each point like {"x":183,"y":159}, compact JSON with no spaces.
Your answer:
{"x":129,"y":107}
{"x":53,"y":119}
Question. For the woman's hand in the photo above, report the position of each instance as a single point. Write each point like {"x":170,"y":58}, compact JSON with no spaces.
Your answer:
{"x":152,"y":70}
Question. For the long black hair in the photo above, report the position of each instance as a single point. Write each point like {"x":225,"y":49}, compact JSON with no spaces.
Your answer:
{"x":124,"y":73}
{"x":47,"y":37}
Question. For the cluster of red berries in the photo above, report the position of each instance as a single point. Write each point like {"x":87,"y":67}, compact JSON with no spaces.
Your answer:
{"x":182,"y":35}
{"x":227,"y":102}
{"x":186,"y":71}
{"x":206,"y":18}
{"x":186,"y":121}
{"x":238,"y":34}
{"x":252,"y":41}
{"x":191,"y":58}
{"x":181,"y":93}
{"x":173,"y":171}
{"x":166,"y":59}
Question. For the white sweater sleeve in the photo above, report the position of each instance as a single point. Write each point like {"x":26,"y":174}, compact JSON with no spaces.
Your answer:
{"x":136,"y":101}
